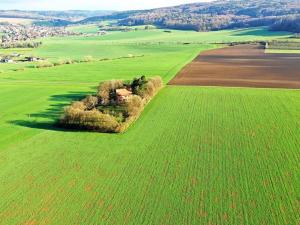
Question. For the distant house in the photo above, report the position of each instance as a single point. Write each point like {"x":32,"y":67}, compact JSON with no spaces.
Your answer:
{"x":15,"y":54}
{"x":101,"y":32}
{"x":7,"y":60}
{"x":31,"y":59}
{"x":122,"y":95}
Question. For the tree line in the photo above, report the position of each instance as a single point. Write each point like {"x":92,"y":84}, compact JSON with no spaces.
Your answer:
{"x":289,"y":23}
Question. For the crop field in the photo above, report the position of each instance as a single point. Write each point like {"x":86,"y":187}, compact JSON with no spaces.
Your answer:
{"x":197,"y":155}
{"x":242,"y":66}
{"x":118,"y":44}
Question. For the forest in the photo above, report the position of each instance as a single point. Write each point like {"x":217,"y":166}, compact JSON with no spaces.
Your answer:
{"x":216,"y":15}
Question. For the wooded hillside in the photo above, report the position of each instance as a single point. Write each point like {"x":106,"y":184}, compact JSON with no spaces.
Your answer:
{"x":211,"y":16}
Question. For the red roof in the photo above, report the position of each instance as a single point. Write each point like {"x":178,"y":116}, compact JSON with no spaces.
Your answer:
{"x":123,"y":92}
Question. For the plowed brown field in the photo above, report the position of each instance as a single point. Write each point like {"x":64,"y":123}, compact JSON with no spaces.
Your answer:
{"x":242,"y":66}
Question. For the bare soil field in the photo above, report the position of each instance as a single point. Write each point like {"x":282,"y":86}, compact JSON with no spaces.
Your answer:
{"x":242,"y":66}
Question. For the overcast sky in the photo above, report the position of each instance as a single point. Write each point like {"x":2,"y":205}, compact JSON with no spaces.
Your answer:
{"x":89,"y":4}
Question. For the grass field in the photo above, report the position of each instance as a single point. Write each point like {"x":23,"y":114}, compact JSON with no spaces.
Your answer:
{"x":158,"y":35}
{"x":142,"y":42}
{"x":158,"y":60}
{"x":88,"y":29}
{"x":195,"y":156}
{"x":116,"y":44}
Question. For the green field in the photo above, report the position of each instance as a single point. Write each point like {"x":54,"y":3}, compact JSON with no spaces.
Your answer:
{"x":150,"y":43}
{"x":163,"y":60}
{"x":196,"y":155}
{"x":88,"y":29}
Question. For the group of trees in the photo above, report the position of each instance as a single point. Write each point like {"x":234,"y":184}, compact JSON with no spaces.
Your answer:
{"x":292,"y":45}
{"x":79,"y":116}
{"x":97,"y":113}
{"x":107,"y":91}
{"x":67,"y":61}
{"x":21,"y":44}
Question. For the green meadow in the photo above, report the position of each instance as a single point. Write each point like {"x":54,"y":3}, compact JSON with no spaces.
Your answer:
{"x":153,"y":43}
{"x":197,"y":155}
{"x":87,"y":29}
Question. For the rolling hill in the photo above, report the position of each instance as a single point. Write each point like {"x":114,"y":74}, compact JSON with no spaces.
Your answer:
{"x":50,"y":18}
{"x":216,"y":15}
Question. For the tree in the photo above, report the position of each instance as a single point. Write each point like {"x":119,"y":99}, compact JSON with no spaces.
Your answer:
{"x":90,"y":102}
{"x":137,"y":85}
{"x":106,"y":88}
{"x":134,"y":105}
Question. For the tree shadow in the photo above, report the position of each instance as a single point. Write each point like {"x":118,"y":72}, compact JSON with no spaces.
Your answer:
{"x":38,"y":125}
{"x":48,"y":119}
{"x":255,"y":32}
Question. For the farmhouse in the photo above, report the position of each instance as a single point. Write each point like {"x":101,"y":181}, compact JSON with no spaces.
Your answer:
{"x":122,"y":95}
{"x":102,"y":32}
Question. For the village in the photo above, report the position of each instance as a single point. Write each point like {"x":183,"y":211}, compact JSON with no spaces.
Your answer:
{"x":21,"y":36}
{"x":18,"y":33}
{"x":13,"y":33}
{"x":28,"y":36}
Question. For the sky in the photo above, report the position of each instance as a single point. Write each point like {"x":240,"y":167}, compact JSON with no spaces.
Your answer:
{"x":90,"y":4}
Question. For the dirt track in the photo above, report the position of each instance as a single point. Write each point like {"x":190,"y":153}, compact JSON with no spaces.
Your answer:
{"x":241,"y":66}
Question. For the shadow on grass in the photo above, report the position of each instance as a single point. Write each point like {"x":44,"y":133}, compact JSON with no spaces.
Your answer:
{"x":38,"y":125}
{"x":257,"y":32}
{"x":47,"y":120}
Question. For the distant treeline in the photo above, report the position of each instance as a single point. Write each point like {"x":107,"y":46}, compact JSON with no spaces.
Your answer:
{"x":280,"y":15}
{"x":215,"y":15}
{"x":290,"y":23}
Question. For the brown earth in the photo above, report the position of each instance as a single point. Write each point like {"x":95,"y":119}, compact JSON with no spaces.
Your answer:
{"x":241,"y":66}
